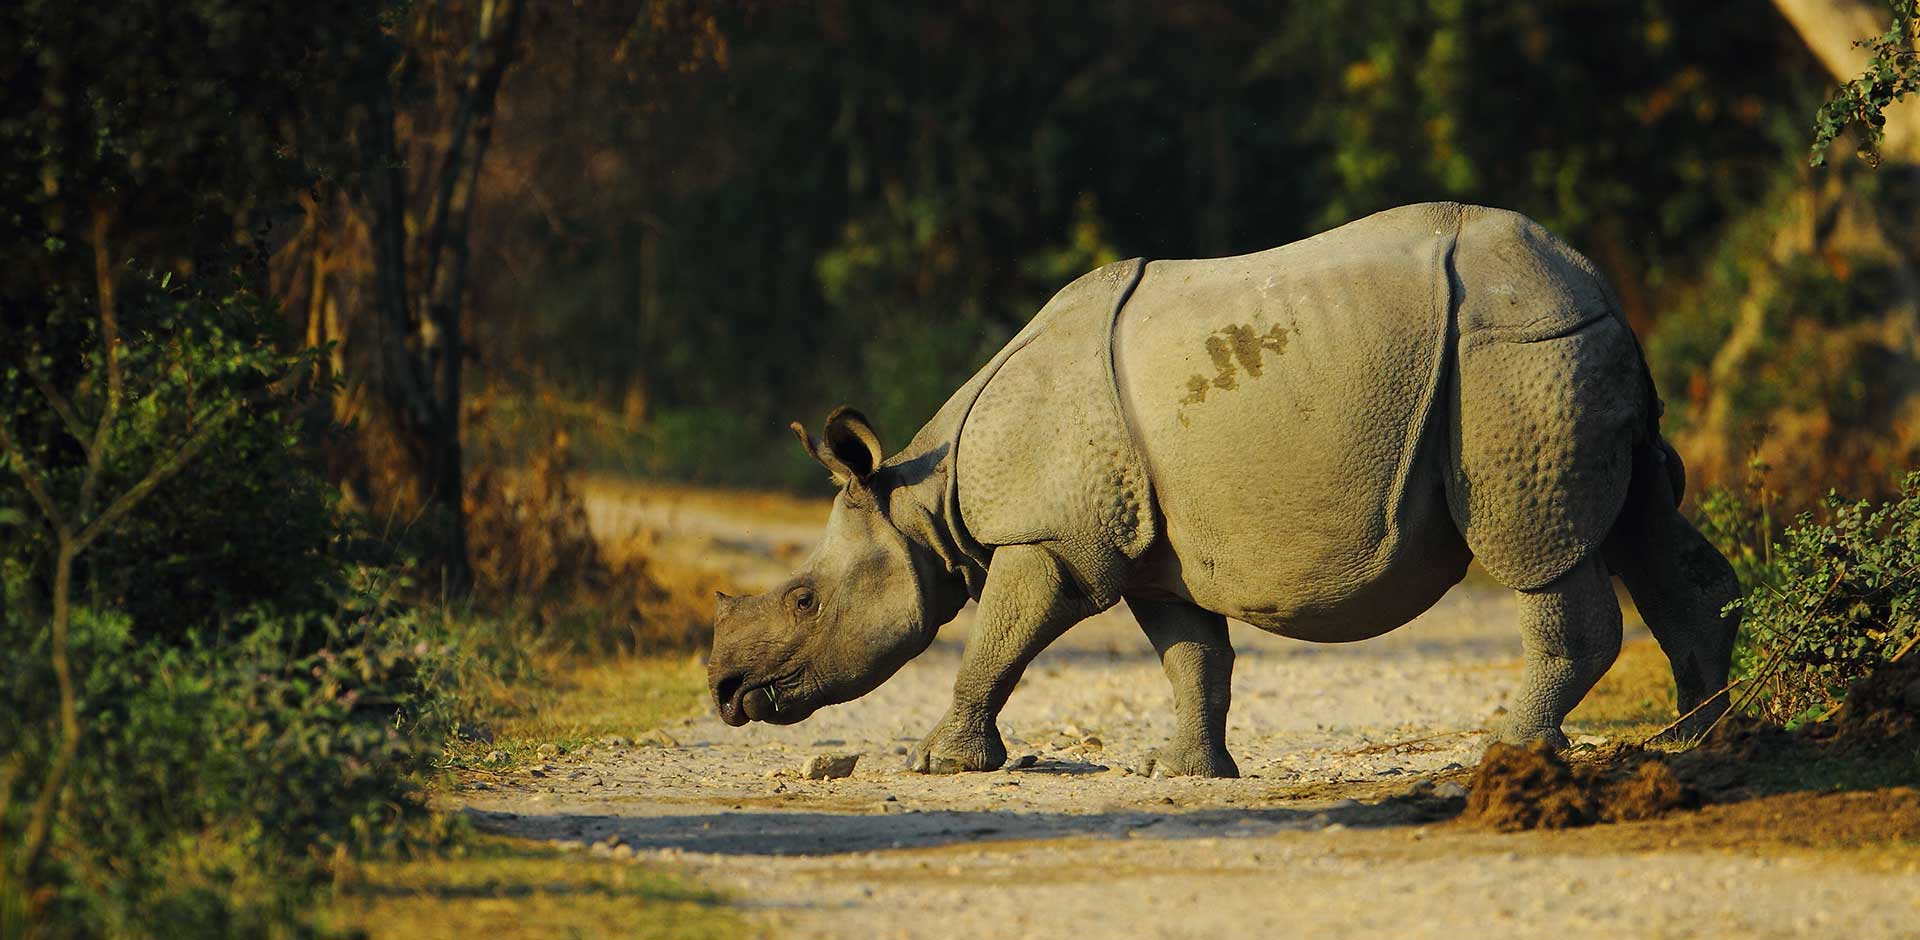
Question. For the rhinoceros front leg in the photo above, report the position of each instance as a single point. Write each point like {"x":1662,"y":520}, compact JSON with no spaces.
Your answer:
{"x":1198,"y":657}
{"x":1027,"y":603}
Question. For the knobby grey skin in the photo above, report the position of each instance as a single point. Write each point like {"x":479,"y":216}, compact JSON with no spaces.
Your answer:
{"x":1313,"y":439}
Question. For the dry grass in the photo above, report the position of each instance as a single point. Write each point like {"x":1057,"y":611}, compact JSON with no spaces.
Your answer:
{"x":502,"y":889}
{"x":578,"y":702}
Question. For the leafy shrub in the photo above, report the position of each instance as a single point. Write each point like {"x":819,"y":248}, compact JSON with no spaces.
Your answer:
{"x":1741,"y":525}
{"x":232,"y":709}
{"x":244,"y":709}
{"x":247,"y":524}
{"x":218,"y":779}
{"x":1835,"y":597}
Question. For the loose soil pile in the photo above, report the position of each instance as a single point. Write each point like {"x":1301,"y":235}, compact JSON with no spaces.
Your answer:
{"x":1517,"y":788}
{"x":1881,"y":710}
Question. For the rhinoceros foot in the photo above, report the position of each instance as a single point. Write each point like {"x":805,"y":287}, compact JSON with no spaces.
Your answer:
{"x":955,"y":748}
{"x":1522,"y":733}
{"x":1190,"y":760}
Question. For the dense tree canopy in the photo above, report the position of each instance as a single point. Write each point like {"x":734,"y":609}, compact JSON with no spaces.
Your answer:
{"x":818,"y":203}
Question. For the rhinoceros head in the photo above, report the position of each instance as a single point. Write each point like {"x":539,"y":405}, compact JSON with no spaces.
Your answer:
{"x":855,"y":612}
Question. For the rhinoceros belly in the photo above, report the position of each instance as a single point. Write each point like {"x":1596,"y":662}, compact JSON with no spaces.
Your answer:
{"x":1282,"y":402}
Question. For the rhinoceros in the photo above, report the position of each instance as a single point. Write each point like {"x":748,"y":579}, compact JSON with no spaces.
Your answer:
{"x":1313,"y":439}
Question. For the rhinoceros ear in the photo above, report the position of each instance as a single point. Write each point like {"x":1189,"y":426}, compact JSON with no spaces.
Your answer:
{"x":850,"y":451}
{"x":851,"y":440}
{"x":813,"y":450}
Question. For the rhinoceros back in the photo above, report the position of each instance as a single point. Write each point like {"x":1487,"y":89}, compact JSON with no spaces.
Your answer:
{"x":1329,"y":425}
{"x":1281,"y":399}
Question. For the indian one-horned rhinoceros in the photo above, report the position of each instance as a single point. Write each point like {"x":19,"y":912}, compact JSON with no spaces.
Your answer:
{"x":1313,"y":439}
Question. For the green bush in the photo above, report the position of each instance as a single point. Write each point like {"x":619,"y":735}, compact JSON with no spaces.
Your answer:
{"x":1741,"y":525}
{"x":218,"y":778}
{"x":246,"y":708}
{"x":247,"y":524}
{"x":1836,"y":596}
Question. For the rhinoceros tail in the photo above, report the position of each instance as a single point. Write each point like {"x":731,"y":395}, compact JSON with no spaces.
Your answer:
{"x":1675,"y":469}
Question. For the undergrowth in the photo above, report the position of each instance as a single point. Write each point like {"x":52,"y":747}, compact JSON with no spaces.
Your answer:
{"x":1832,"y":597}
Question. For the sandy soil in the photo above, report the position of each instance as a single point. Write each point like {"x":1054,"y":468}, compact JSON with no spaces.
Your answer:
{"x":1336,"y":830}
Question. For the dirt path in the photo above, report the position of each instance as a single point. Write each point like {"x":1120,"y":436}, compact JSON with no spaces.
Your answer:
{"x":1329,"y":834}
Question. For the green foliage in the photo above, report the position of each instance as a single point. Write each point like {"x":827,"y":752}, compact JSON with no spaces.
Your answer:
{"x":857,"y":205}
{"x":1892,"y":73}
{"x":1627,"y":131}
{"x":245,"y":709}
{"x":1799,"y":358}
{"x":1835,"y":597}
{"x":717,"y":446}
{"x":1741,"y":525}
{"x":188,"y":354}
{"x":218,"y":779}
{"x":144,"y":155}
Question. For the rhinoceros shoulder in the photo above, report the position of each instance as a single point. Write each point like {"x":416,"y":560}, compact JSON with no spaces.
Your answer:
{"x":1044,"y":454}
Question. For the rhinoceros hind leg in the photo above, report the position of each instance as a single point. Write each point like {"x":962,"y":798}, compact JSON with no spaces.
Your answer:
{"x":1681,"y":584}
{"x":1571,"y":632}
{"x":1198,"y":657}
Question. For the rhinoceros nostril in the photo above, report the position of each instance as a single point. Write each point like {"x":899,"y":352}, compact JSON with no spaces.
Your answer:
{"x":726,"y":692}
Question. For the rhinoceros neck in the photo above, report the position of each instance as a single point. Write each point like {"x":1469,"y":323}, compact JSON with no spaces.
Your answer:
{"x":926,"y":495}
{"x":923,"y":504}
{"x":927,"y":469}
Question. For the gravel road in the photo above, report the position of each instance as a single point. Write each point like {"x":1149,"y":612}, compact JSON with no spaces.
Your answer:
{"x":1350,"y":753}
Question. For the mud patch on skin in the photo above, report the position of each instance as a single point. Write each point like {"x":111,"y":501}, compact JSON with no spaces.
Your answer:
{"x":1235,"y":349}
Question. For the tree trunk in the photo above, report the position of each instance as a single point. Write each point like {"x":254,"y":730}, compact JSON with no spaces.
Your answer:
{"x":1830,"y":28}
{"x":412,"y":332}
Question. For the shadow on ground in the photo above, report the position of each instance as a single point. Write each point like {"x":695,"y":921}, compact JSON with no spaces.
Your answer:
{"x":812,"y":832}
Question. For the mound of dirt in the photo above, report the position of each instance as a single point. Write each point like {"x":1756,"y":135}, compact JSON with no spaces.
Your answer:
{"x":1533,"y":788}
{"x":1516,"y":788}
{"x":1880,"y":709}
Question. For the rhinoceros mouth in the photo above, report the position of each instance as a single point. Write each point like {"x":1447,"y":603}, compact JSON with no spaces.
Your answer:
{"x":761,"y":701}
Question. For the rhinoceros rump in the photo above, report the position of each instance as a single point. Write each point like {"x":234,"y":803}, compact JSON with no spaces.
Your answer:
{"x":1313,"y":439}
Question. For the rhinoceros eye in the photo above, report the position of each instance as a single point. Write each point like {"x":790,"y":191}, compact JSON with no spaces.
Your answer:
{"x":803,"y":600}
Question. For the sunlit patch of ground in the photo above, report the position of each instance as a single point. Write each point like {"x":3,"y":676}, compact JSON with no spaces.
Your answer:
{"x":504,"y":889}
{"x":1633,"y":700}
{"x":577,"y":705}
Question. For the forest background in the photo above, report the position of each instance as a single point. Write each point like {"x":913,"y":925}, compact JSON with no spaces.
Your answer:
{"x":313,"y":316}
{"x":805,"y":205}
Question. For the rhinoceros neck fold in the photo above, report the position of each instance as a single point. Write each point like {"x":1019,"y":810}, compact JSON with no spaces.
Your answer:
{"x":921,"y":502}
{"x":922,"y":513}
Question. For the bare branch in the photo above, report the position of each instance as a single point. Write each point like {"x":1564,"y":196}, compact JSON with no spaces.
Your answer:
{"x":181,"y":456}
{"x":110,"y":340}
{"x":36,"y":487}
{"x":61,"y":407}
{"x":40,"y":820}
{"x":487,"y":62}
